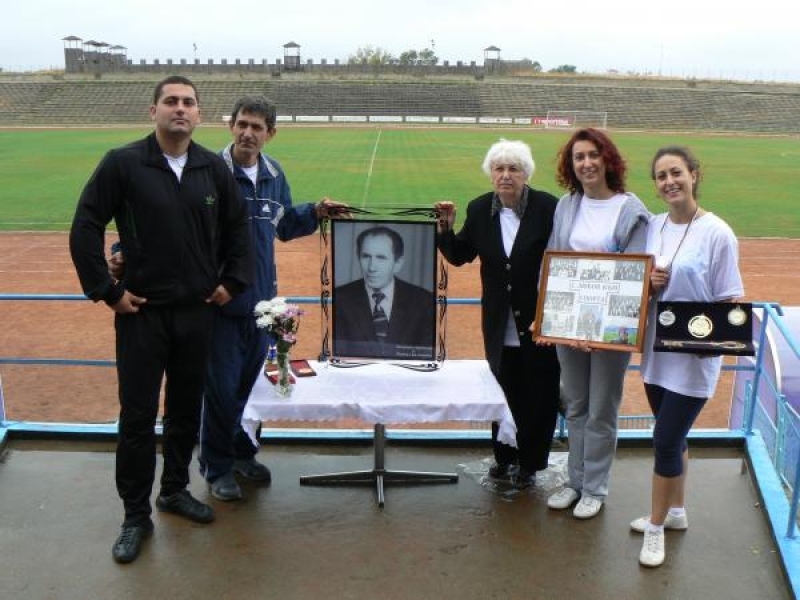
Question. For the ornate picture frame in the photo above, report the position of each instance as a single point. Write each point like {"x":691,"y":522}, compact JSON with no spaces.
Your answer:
{"x":413,"y":303}
{"x":593,"y":296}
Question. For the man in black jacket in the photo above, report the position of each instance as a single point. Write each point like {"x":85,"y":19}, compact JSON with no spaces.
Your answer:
{"x":184,"y":226}
{"x":508,"y":230}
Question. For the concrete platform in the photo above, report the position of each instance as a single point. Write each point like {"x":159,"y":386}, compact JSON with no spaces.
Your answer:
{"x":59,"y":515}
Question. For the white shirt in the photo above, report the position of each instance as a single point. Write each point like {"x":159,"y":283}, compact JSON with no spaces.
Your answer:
{"x":252,"y":174}
{"x":509,"y":227}
{"x":176,"y":163}
{"x":593,"y":229}
{"x":705,"y":269}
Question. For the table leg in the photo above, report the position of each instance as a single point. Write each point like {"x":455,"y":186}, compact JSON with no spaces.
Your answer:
{"x":378,"y":475}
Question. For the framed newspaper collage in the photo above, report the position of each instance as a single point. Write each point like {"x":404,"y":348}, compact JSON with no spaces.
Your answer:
{"x":597,"y":297}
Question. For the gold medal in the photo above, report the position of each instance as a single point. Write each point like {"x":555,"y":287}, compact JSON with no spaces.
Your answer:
{"x":666,"y":318}
{"x":700,"y":326}
{"x":737,"y":317}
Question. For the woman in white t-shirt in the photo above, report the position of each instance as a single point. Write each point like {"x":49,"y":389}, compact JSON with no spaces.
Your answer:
{"x":596,"y":215}
{"x":696,"y":260}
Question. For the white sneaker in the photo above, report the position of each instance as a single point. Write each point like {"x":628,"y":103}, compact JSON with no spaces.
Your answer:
{"x":671,"y":522}
{"x":587,"y":508}
{"x":652,"y":554}
{"x":562,"y":499}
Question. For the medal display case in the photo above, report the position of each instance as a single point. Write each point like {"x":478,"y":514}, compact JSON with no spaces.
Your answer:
{"x":705,"y":328}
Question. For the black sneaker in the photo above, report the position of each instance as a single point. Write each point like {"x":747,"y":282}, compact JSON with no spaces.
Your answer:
{"x":129,"y":542}
{"x":184,"y":504}
{"x":499,"y":471}
{"x":253,"y":470}
{"x":225,"y":488}
{"x":523,"y":478}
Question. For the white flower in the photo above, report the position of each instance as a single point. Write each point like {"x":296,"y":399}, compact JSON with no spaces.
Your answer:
{"x":262,"y":307}
{"x":279,"y":317}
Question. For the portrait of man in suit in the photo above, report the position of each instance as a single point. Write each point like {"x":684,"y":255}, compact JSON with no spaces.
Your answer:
{"x":381,"y":315}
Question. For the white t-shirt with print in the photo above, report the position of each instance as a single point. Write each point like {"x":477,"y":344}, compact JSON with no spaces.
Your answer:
{"x":705,"y":269}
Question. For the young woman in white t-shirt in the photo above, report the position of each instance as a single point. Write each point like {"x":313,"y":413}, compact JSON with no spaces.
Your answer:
{"x":696,"y":259}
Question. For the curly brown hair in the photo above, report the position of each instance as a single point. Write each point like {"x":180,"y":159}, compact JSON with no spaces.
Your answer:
{"x":616,"y":168}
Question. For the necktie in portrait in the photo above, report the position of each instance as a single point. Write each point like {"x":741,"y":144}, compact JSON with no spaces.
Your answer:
{"x":379,"y":319}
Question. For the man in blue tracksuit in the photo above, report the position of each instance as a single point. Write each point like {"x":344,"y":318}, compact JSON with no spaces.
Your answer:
{"x":239,"y":348}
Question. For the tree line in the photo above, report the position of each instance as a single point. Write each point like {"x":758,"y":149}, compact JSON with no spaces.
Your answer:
{"x":367,"y":55}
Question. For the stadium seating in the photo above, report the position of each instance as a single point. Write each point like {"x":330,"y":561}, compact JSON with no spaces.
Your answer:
{"x":645,"y":105}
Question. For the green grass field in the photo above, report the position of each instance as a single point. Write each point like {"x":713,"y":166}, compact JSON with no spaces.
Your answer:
{"x":747,"y":178}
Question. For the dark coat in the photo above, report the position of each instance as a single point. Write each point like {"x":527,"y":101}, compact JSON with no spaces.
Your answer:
{"x":411,"y":326}
{"x":506,"y":281}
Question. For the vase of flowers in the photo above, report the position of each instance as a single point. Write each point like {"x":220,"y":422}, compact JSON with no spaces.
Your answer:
{"x":282,"y":320}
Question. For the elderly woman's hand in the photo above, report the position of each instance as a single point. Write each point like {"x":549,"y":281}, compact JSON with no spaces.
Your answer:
{"x":447,"y":215}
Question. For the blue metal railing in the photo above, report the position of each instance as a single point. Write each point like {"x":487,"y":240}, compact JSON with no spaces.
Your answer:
{"x":784,"y":445}
{"x":782,"y":437}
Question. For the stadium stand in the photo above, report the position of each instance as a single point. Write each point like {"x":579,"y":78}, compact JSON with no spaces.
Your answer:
{"x":650,"y":105}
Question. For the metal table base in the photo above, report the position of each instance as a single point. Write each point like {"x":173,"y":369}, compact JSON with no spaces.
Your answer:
{"x":378,"y":475}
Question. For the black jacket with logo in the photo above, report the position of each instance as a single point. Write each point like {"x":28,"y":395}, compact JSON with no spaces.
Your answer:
{"x":181,"y":238}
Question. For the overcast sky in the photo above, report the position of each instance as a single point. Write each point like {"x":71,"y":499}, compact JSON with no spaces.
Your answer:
{"x":685,"y":38}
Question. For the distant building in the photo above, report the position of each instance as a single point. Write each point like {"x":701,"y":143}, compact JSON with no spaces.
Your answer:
{"x":92,"y":57}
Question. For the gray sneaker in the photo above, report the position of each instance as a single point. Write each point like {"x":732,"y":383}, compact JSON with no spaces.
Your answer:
{"x":225,"y":488}
{"x":253,"y":470}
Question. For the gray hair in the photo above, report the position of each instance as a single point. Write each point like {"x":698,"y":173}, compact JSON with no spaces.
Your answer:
{"x":510,"y":152}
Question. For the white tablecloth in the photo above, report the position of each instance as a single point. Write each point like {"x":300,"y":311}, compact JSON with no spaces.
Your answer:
{"x":460,"y":390}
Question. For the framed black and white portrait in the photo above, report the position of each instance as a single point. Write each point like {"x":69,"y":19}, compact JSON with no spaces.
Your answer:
{"x":384,"y":292}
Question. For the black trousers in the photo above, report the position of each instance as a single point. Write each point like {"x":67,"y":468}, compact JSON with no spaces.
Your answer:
{"x":158,"y":343}
{"x":675,"y":414}
{"x":530,"y":377}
